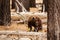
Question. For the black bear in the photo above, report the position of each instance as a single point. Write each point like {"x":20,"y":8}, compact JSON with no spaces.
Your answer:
{"x":35,"y":22}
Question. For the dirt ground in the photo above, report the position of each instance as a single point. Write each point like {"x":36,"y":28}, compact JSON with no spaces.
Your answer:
{"x":21,"y":27}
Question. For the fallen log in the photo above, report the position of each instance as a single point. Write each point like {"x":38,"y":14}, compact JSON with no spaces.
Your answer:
{"x":22,"y":33}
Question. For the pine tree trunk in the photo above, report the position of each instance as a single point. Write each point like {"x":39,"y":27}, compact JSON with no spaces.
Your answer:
{"x":13,"y":4}
{"x":5,"y":16}
{"x":45,"y":3}
{"x":53,"y":9}
{"x":32,"y":3}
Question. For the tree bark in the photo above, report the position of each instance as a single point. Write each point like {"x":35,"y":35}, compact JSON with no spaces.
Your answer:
{"x":32,"y":3}
{"x":13,"y":4}
{"x":5,"y":16}
{"x":53,"y":9}
{"x":45,"y":3}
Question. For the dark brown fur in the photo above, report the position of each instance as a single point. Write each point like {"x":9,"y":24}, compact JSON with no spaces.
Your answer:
{"x":35,"y":22}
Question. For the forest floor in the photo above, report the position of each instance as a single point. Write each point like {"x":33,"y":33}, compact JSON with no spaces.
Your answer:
{"x":23,"y":27}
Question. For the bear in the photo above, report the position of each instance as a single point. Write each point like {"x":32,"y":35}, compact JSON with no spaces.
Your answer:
{"x":35,"y":22}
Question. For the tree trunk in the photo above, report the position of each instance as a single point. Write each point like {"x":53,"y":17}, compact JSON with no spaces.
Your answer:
{"x":13,"y":4}
{"x":32,"y":3}
{"x":45,"y":3}
{"x":53,"y":9}
{"x":5,"y":17}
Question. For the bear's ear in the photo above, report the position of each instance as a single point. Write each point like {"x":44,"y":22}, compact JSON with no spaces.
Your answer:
{"x":33,"y":17}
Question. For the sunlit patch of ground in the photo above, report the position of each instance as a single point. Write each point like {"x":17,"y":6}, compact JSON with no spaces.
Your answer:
{"x":21,"y":27}
{"x":14,"y":26}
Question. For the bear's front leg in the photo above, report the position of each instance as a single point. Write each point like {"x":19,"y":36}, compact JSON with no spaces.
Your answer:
{"x":35,"y":29}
